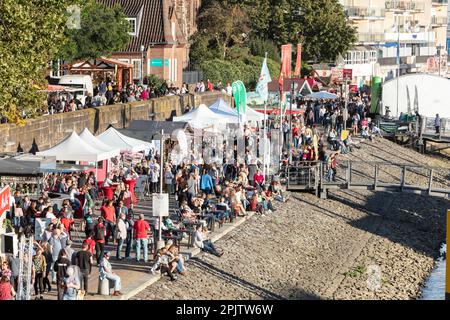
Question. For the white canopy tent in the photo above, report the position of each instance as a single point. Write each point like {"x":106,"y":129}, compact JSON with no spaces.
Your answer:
{"x":201,"y":117}
{"x":115,"y":139}
{"x":223,"y":109}
{"x":253,"y":115}
{"x":73,"y":148}
{"x":90,"y":139}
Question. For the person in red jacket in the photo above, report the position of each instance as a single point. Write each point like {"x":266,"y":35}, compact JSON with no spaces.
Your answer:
{"x":108,"y":213}
{"x":67,"y":223}
{"x":140,"y":234}
{"x":91,"y":242}
{"x":210,"y":86}
{"x":259,"y":179}
{"x":99,"y":234}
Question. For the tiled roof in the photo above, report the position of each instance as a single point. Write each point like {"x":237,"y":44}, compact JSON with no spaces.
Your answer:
{"x":151,"y":30}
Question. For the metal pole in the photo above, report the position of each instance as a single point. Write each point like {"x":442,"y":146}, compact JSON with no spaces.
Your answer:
{"x":345,"y":117}
{"x":290,"y":121}
{"x":264,"y":140}
{"x":447,"y":262}
{"x":398,"y":61}
{"x":161,"y":156}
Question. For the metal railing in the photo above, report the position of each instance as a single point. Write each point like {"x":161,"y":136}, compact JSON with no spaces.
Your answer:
{"x":192,"y":76}
{"x":439,"y":2}
{"x":371,"y":37}
{"x":364,"y":12}
{"x":405,"y":5}
{"x":440,"y":21}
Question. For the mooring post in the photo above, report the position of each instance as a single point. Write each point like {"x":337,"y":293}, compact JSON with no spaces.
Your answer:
{"x":430,"y":181}
{"x":447,"y":262}
{"x":403,"y":178}
{"x":349,"y":173}
{"x":375,"y":181}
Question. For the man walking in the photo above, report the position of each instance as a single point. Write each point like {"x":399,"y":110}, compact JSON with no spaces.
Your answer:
{"x":84,"y":261}
{"x":121,"y":234}
{"x":140,"y":234}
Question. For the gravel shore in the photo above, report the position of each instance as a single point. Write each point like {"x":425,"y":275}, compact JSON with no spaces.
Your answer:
{"x":354,"y":245}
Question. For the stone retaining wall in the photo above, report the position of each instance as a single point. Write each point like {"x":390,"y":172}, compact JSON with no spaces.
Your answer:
{"x":47,"y":131}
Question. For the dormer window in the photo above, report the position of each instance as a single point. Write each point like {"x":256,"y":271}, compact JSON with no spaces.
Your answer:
{"x":133,"y":26}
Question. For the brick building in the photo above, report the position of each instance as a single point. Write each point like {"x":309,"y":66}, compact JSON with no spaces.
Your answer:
{"x":160,"y":30}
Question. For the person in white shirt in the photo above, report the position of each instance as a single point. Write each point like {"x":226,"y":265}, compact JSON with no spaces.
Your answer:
{"x":205,"y":245}
{"x":121,"y":234}
{"x":229,"y":89}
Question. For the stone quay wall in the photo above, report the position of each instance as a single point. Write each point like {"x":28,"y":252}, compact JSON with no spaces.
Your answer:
{"x":47,"y":131}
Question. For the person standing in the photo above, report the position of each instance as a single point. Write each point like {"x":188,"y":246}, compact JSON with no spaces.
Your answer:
{"x":60,"y":267}
{"x":57,"y":243}
{"x":140,"y":234}
{"x":121,"y":234}
{"x":84,"y":261}
{"x":108,"y":213}
{"x":437,"y":123}
{"x":100,"y":233}
{"x":39,"y":267}
{"x":129,"y":222}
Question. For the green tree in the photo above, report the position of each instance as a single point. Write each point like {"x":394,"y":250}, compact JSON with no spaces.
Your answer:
{"x":224,"y":23}
{"x":103,"y":31}
{"x":30,"y":34}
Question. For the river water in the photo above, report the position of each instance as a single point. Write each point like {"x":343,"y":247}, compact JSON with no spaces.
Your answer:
{"x":434,"y":288}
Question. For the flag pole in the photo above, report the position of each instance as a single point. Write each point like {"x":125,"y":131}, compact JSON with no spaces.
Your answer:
{"x":264,"y":136}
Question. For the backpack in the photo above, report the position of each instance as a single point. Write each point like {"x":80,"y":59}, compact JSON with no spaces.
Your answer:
{"x":99,"y":233}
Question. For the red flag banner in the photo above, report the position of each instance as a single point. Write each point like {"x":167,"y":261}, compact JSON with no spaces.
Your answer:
{"x":298,"y":65}
{"x":286,"y":54}
{"x":4,"y":200}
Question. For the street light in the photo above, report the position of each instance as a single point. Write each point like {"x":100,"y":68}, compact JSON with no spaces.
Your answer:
{"x":439,"y":48}
{"x":398,"y":14}
{"x":142,"y":63}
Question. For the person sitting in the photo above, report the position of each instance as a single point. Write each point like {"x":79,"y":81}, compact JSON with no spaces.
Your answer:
{"x":107,"y":273}
{"x":205,"y":245}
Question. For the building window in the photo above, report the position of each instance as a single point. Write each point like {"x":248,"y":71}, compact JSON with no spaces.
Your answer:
{"x":136,"y":68}
{"x":133,"y":26}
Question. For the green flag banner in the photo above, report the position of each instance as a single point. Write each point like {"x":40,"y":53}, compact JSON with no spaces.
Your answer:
{"x":240,"y":97}
{"x":377,"y":83}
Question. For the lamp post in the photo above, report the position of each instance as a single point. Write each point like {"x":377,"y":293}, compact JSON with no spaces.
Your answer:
{"x":142,"y":63}
{"x":439,"y":48}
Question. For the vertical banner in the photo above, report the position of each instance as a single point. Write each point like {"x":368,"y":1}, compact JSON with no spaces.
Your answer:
{"x":262,"y":88}
{"x":240,"y":97}
{"x":240,"y":146}
{"x":298,"y":65}
{"x":286,"y":60}
{"x":5,"y":200}
{"x":275,"y":147}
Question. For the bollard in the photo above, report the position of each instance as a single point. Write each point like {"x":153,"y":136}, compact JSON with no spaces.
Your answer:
{"x":447,"y":263}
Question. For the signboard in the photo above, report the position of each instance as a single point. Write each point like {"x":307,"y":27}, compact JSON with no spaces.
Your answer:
{"x":40,"y":224}
{"x":158,"y":62}
{"x":161,"y":205}
{"x":337,"y":74}
{"x":347,"y":74}
{"x":5,"y":200}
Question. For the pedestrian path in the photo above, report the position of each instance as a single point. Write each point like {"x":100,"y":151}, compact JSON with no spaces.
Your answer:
{"x":135,"y":276}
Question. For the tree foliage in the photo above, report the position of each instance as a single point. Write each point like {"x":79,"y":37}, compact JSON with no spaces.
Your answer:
{"x":103,"y":31}
{"x":30,"y":34}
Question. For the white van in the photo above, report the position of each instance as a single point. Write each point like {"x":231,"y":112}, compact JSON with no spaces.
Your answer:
{"x":81,"y":82}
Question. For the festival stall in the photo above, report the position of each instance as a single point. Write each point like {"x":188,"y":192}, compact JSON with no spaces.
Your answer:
{"x":115,"y":139}
{"x":322,"y":95}
{"x":104,"y":165}
{"x":200,"y":118}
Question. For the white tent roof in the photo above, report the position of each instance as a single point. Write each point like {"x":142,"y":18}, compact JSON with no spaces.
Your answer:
{"x":73,"y":148}
{"x":223,"y":109}
{"x":253,"y":115}
{"x":200,"y":117}
{"x":90,"y":139}
{"x":115,"y":139}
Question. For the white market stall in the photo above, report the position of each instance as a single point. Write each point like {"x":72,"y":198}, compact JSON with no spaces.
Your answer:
{"x":200,"y":118}
{"x":73,"y":148}
{"x":223,"y":109}
{"x":115,"y":139}
{"x":90,"y":139}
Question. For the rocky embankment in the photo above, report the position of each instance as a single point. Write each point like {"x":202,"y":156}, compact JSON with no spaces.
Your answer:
{"x":354,"y":245}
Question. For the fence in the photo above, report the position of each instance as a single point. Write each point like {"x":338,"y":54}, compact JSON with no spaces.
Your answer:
{"x":192,"y":76}
{"x":377,"y":176}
